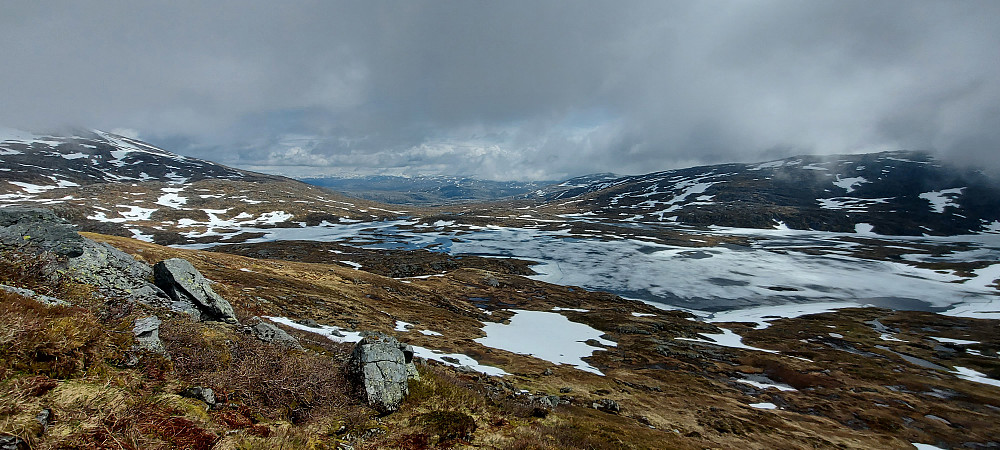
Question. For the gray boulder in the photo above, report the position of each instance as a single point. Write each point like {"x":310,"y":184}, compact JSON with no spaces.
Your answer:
{"x":186,"y":285}
{"x":607,"y":405}
{"x":268,"y":332}
{"x":379,"y":367}
{"x":147,"y":334}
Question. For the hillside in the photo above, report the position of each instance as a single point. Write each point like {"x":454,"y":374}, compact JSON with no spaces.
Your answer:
{"x":645,"y":378}
{"x":893,"y":193}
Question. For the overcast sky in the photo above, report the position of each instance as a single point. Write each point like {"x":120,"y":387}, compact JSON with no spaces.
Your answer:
{"x":509,"y":89}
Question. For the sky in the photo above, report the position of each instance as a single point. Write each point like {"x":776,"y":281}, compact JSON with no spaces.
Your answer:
{"x":509,"y":90}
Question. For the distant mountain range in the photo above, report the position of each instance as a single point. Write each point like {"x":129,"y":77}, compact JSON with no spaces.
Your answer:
{"x":427,"y":191}
{"x":101,"y":177}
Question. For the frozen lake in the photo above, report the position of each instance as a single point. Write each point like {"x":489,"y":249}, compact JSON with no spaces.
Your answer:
{"x":773,"y":270}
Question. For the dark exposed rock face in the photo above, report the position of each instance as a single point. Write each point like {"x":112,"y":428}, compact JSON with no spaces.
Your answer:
{"x":379,"y":366}
{"x":187,"y":286}
{"x":112,"y":271}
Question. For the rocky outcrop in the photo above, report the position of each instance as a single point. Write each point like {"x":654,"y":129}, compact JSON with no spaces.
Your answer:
{"x":379,"y":367}
{"x":187,"y":286}
{"x":270,"y":333}
{"x":41,"y":229}
{"x":113,"y":272}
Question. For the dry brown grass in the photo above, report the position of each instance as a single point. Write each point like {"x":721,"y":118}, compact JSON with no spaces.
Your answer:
{"x":54,"y":341}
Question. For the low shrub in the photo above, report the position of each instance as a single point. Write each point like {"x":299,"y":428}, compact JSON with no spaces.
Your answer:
{"x":264,"y":379}
{"x":447,"y":425}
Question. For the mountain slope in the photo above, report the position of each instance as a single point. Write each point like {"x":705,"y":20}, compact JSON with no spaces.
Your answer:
{"x":903,"y":193}
{"x":116,"y":185}
{"x":35,"y":162}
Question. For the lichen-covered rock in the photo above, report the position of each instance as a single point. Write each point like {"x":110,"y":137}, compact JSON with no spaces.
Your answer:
{"x":116,"y":273}
{"x":147,"y":334}
{"x":185,"y":284}
{"x":268,"y":332}
{"x":110,"y":270}
{"x":380,"y":366}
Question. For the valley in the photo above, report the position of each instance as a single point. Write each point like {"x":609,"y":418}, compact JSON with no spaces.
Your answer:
{"x":845,"y":302}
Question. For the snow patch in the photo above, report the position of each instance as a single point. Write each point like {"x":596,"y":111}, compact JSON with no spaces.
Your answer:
{"x":849,"y":184}
{"x":170,"y":198}
{"x":974,"y":376}
{"x":545,"y":335}
{"x":942,"y":199}
{"x":953,"y":341}
{"x":340,"y":335}
{"x":763,"y":382}
{"x":725,"y":339}
{"x":864,"y":228}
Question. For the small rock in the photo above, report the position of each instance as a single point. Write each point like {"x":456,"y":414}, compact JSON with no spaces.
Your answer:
{"x":607,"y":405}
{"x":268,"y":332}
{"x":565,"y":390}
{"x":308,"y":322}
{"x":206,"y":395}
{"x":44,"y":418}
{"x":147,"y":334}
{"x":545,"y":401}
{"x":547,"y":372}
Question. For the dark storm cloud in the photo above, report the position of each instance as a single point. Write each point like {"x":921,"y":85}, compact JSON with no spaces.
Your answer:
{"x":510,"y":89}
